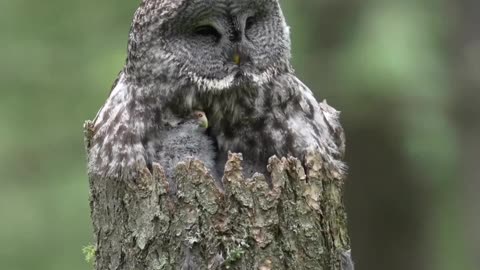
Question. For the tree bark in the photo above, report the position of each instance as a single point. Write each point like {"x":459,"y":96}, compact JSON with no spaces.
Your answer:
{"x":296,"y":222}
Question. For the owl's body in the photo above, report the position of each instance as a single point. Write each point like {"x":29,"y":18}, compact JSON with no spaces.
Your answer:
{"x":279,"y":118}
{"x":229,"y":58}
{"x":178,"y":142}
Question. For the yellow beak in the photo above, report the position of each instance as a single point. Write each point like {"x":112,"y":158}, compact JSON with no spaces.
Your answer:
{"x":236,"y":58}
{"x":203,"y":122}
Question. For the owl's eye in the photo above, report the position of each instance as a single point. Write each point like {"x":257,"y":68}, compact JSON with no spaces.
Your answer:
{"x":250,"y":22}
{"x":207,"y":31}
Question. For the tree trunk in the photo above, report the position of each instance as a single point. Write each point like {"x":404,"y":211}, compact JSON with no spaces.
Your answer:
{"x":297,"y":222}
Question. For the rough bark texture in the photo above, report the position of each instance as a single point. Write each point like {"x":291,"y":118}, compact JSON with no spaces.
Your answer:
{"x":298,"y":222}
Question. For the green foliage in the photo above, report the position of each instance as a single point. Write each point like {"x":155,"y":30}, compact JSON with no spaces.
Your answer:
{"x":233,"y":256}
{"x":89,"y":253}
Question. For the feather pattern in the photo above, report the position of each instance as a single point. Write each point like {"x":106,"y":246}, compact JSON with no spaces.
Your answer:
{"x":238,"y":73}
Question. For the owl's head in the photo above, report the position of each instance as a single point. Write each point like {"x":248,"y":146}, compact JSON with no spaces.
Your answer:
{"x":216,"y":44}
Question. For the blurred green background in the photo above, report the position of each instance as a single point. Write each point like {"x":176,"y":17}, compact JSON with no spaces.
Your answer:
{"x":405,"y":74}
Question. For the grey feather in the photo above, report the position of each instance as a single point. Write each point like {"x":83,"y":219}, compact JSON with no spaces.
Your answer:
{"x":346,"y":260}
{"x":229,"y":58}
{"x":184,"y":141}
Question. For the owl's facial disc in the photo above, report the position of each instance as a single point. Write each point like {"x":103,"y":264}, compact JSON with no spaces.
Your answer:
{"x":226,"y":43}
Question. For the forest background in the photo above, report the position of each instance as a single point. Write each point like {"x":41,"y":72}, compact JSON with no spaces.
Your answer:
{"x":405,"y":74}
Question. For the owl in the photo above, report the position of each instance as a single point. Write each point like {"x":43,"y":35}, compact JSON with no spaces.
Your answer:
{"x":228,"y":58}
{"x":186,"y":139}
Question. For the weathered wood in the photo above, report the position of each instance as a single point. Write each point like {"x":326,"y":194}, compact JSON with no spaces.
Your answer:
{"x":297,"y":222}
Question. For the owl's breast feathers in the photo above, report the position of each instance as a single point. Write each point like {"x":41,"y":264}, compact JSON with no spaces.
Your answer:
{"x":279,"y":118}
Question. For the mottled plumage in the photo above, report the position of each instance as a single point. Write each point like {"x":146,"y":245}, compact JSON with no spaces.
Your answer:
{"x":185,"y":140}
{"x":229,"y":58}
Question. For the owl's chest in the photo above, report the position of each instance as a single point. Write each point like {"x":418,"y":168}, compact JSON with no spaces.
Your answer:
{"x":230,"y":107}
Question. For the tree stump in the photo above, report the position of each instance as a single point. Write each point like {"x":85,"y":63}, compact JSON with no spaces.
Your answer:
{"x":296,"y":222}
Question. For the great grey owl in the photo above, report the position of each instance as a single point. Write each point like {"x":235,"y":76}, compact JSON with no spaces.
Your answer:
{"x":184,"y":140}
{"x":228,"y":58}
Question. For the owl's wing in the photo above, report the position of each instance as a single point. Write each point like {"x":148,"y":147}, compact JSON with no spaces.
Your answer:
{"x":114,"y":85}
{"x":332,"y":118}
{"x":326,"y":117}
